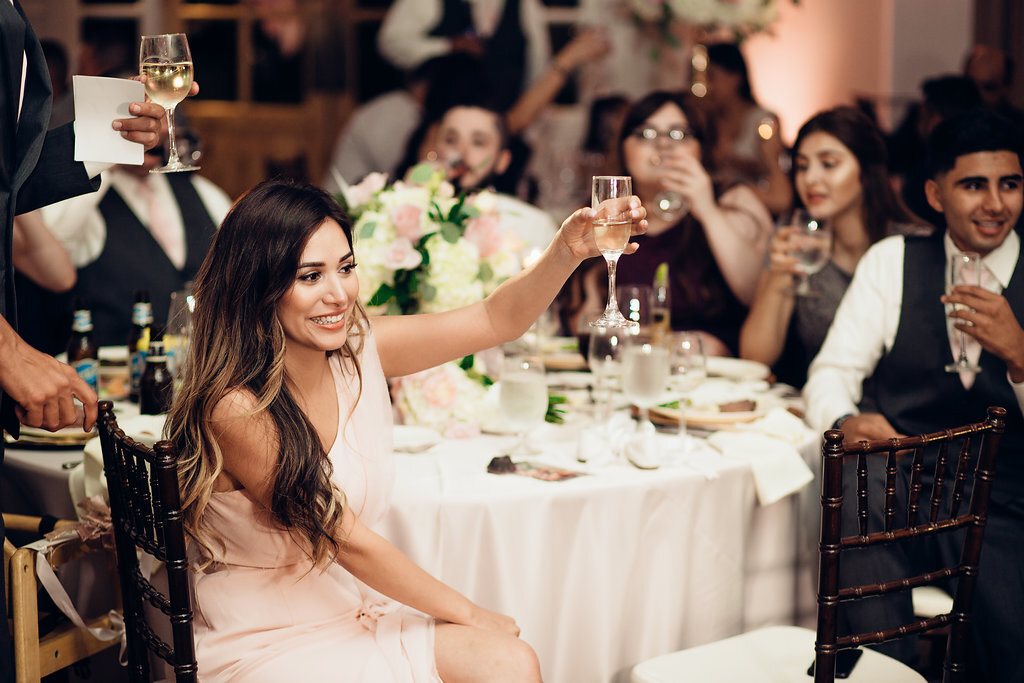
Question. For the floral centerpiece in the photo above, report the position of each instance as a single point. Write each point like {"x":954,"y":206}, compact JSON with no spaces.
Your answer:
{"x":741,"y":17}
{"x":422,"y":249}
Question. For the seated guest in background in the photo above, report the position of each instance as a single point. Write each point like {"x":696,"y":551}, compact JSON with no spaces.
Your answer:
{"x":471,"y":144}
{"x":894,"y":325}
{"x":745,"y":145}
{"x":943,"y":97}
{"x":510,"y":37}
{"x":714,"y":249}
{"x":141,"y":230}
{"x":282,"y":424}
{"x":992,"y":71}
{"x":839,"y":173}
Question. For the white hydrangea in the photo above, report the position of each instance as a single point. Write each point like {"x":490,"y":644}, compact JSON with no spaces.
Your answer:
{"x":452,"y":273}
{"x":444,"y":398}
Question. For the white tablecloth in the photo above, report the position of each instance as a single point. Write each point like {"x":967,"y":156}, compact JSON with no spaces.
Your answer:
{"x":601,"y":572}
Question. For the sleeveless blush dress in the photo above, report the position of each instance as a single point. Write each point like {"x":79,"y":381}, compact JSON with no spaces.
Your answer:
{"x":264,"y":614}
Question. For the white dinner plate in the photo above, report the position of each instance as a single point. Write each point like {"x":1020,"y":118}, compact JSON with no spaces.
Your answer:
{"x":737,"y":368}
{"x":414,"y":439}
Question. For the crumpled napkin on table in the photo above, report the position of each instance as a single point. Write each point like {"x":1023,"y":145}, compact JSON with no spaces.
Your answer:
{"x":770,"y":448}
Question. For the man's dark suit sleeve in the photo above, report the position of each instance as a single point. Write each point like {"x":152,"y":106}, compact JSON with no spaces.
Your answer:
{"x":56,"y":175}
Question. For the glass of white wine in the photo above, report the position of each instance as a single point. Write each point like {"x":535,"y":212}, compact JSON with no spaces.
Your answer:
{"x":612,"y":223}
{"x":523,"y":398}
{"x":166,"y":62}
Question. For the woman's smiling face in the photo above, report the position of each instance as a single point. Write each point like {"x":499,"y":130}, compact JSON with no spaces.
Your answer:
{"x":316,"y":310}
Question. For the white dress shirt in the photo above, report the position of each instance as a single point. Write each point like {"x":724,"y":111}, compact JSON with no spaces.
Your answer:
{"x":403,"y":38}
{"x":866,"y":323}
{"x":78,"y":224}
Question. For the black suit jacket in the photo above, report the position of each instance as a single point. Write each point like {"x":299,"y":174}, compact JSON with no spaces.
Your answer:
{"x":36,"y":167}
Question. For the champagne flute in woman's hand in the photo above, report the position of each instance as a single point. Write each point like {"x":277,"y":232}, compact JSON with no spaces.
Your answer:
{"x":964,"y":269}
{"x":166,"y":63}
{"x":612,"y":222}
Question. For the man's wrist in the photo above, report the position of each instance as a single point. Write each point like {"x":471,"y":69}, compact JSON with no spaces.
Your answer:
{"x":841,"y":420}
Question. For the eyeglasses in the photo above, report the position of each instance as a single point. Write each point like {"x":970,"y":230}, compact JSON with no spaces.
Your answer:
{"x":650,"y":134}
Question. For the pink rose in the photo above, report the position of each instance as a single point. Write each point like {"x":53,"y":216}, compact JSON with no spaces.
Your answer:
{"x":358,"y":195}
{"x":461,"y":430}
{"x":484,"y":232}
{"x":401,"y":254}
{"x":407,"y":221}
{"x":439,"y":389}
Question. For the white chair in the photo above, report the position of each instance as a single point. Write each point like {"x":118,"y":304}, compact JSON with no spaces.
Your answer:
{"x":784,"y":653}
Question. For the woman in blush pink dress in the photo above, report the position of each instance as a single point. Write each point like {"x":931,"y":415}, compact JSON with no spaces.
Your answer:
{"x":284,"y":428}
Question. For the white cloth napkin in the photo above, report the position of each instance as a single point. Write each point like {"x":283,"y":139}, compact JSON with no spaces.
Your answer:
{"x":778,"y":468}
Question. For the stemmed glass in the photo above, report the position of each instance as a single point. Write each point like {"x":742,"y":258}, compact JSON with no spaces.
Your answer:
{"x":166,"y":63}
{"x":610,"y":200}
{"x":964,"y":269}
{"x":523,"y":398}
{"x":178,"y":331}
{"x":811,"y":246}
{"x":604,"y":358}
{"x":689,"y":361}
{"x":645,"y":371}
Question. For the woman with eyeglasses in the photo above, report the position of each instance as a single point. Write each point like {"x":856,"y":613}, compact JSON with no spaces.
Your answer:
{"x":714,"y":244}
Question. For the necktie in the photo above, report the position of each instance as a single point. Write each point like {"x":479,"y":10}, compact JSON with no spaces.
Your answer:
{"x":161,"y":227}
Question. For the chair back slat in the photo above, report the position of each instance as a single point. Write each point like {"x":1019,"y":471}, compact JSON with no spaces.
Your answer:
{"x":977,"y":484}
{"x":145,"y":508}
{"x":862,"y":493}
{"x":916,"y":472}
{"x":890,"y":489}
{"x":960,"y":479}
{"x":940,"y":478}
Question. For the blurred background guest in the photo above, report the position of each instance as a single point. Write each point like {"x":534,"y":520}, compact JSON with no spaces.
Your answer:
{"x":509,"y":36}
{"x":140,"y":230}
{"x":992,"y":69}
{"x":942,"y":98}
{"x":839,"y":172}
{"x":714,"y":251}
{"x":745,"y":146}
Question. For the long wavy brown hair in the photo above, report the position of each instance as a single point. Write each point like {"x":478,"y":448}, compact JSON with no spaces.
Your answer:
{"x":238,"y":343}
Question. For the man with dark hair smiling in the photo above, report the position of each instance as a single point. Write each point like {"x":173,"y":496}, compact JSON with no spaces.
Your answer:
{"x":895,"y":324}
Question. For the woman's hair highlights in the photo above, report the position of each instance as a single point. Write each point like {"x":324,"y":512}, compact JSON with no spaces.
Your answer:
{"x":238,"y":344}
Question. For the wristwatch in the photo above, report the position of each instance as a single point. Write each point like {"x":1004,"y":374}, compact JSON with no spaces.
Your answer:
{"x":838,"y":424}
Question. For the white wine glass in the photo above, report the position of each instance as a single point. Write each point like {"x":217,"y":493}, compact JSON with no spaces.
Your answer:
{"x":523,"y":398}
{"x":166,"y":62}
{"x":604,"y":358}
{"x":645,"y":373}
{"x":964,"y":269}
{"x":811,"y":246}
{"x":610,"y":200}
{"x":689,"y":360}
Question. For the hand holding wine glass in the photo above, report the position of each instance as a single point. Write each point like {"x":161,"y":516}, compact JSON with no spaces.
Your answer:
{"x":166,"y":62}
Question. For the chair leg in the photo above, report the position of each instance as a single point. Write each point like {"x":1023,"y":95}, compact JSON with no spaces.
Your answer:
{"x":25,"y":616}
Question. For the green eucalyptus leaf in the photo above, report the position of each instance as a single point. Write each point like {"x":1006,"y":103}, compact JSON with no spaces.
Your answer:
{"x":366,"y":231}
{"x":421,"y":174}
{"x":486,"y":273}
{"x":450,"y":232}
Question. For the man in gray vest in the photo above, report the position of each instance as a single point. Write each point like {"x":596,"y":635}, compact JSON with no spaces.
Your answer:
{"x":897,"y":325}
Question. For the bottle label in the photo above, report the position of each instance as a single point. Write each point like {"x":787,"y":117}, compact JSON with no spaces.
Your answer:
{"x":142,"y":313}
{"x":138,"y":364}
{"x":88,"y":369}
{"x":82,"y":322}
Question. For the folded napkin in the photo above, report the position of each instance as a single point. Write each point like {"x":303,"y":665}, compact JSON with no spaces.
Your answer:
{"x":778,"y":468}
{"x":781,"y":424}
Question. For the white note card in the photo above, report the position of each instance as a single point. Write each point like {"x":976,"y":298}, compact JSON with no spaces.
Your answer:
{"x":98,"y":102}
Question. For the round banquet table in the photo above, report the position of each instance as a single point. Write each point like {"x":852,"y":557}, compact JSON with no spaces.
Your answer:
{"x":601,"y":571}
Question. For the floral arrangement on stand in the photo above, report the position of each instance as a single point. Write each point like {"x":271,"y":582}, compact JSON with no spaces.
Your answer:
{"x":740,"y":17}
{"x":422,"y":249}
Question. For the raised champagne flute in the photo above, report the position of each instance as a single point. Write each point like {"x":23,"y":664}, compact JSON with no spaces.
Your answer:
{"x":166,"y":62}
{"x":612,"y":222}
{"x":811,"y":246}
{"x":964,"y":269}
{"x":523,"y":398}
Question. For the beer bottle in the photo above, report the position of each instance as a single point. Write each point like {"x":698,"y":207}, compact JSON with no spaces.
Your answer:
{"x":138,"y":339}
{"x":83,"y":354}
{"x":156,"y":386}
